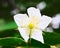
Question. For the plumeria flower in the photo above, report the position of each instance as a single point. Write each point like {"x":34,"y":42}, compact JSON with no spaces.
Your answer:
{"x":56,"y":21}
{"x":49,"y":29}
{"x":32,"y":25}
{"x":41,"y":5}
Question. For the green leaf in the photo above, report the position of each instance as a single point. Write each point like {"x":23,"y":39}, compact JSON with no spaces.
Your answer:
{"x":10,"y":33}
{"x":51,"y":38}
{"x":7,"y":26}
{"x":12,"y":41}
{"x":37,"y":44}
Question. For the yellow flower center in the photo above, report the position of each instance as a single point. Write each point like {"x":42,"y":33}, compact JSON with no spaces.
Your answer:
{"x":31,"y":25}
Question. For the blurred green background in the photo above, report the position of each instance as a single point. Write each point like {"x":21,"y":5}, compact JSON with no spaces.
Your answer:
{"x":10,"y":36}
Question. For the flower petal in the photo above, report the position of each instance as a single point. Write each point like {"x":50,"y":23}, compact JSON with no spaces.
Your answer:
{"x":24,"y":33}
{"x":21,"y":19}
{"x":37,"y":35}
{"x":34,"y":12}
{"x":44,"y":22}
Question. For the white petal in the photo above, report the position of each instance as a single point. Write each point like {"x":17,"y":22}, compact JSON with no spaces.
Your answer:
{"x":34,"y":12}
{"x":45,"y":21}
{"x":56,"y":20}
{"x":21,"y":19}
{"x":37,"y":35}
{"x":24,"y":33}
{"x":55,"y":26}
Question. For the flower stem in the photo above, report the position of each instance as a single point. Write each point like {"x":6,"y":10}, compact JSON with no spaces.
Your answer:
{"x":29,"y":39}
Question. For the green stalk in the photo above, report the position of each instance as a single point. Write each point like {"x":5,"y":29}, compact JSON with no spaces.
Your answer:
{"x":29,"y":42}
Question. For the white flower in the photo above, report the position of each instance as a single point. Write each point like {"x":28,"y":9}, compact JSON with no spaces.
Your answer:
{"x":32,"y":25}
{"x":15,"y":11}
{"x":56,"y":21}
{"x":41,"y":5}
{"x":49,"y":29}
